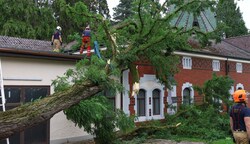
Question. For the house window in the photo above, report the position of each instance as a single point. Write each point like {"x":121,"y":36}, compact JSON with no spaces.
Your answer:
{"x":19,"y":95}
{"x":186,"y":96}
{"x":239,"y":67}
{"x":217,"y":101}
{"x":187,"y":62}
{"x":195,"y":22}
{"x":239,"y":86}
{"x":141,"y":103}
{"x":216,"y":65}
{"x":156,"y":102}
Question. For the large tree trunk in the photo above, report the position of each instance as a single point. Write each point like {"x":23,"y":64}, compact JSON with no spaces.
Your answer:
{"x":33,"y":113}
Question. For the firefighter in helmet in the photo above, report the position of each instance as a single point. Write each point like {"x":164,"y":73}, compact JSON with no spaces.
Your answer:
{"x":240,"y":117}
{"x":56,"y":39}
{"x":86,"y":35}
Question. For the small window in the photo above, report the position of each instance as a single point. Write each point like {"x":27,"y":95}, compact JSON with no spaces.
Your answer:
{"x":239,"y":67}
{"x":196,"y":23}
{"x":216,"y":65}
{"x":156,"y":102}
{"x":217,"y":103}
{"x":141,"y":103}
{"x":186,"y":96}
{"x":34,"y":93}
{"x":187,"y":62}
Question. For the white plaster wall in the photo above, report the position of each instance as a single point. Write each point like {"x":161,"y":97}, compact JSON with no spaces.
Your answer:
{"x":118,"y":94}
{"x":172,"y":94}
{"x":126,"y":100}
{"x":42,"y":72}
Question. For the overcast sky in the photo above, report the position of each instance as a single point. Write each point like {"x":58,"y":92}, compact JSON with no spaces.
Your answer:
{"x":243,"y":4}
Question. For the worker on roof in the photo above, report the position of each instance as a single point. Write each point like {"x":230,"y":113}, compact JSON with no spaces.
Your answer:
{"x":56,"y":39}
{"x":86,"y":35}
{"x":240,"y":117}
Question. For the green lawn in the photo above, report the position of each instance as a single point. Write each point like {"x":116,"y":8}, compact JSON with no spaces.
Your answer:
{"x":227,"y":140}
{"x":224,"y":141}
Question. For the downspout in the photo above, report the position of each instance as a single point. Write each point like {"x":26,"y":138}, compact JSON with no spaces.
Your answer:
{"x":121,"y":80}
{"x":226,"y":67}
{"x":226,"y":72}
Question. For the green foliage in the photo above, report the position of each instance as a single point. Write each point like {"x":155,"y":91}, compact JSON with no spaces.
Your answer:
{"x":94,"y":6}
{"x":24,"y":19}
{"x":227,"y":140}
{"x":95,"y":114}
{"x":61,"y":84}
{"x":123,"y":10}
{"x":205,"y":121}
{"x":201,"y":122}
{"x":78,"y":40}
{"x":85,"y":70}
{"x":97,"y":117}
{"x":69,"y":22}
{"x":74,"y":16}
{"x":230,"y":19}
{"x":123,"y":122}
{"x":216,"y":90}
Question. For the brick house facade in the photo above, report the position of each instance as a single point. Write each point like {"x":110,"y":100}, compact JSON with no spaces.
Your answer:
{"x":195,"y":68}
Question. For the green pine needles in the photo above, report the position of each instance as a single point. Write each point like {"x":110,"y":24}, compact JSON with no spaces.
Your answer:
{"x":96,"y":115}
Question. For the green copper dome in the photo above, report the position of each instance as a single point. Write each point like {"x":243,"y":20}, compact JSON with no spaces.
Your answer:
{"x":205,"y":20}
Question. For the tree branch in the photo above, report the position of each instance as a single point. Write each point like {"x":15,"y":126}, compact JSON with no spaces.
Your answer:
{"x":140,"y":17}
{"x":144,"y":129}
{"x":30,"y":114}
{"x":125,"y":24}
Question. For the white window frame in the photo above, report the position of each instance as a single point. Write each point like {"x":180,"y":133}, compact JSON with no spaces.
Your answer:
{"x":239,"y":85}
{"x":187,"y":62}
{"x":216,"y":65}
{"x":220,"y":102}
{"x":231,"y":91}
{"x":239,"y":67}
{"x":149,"y":83}
{"x":190,"y":86}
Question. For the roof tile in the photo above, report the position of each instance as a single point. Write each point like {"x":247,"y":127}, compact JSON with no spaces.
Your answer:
{"x":22,"y":43}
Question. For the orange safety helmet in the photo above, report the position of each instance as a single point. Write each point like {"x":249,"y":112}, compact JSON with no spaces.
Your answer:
{"x":240,"y":96}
